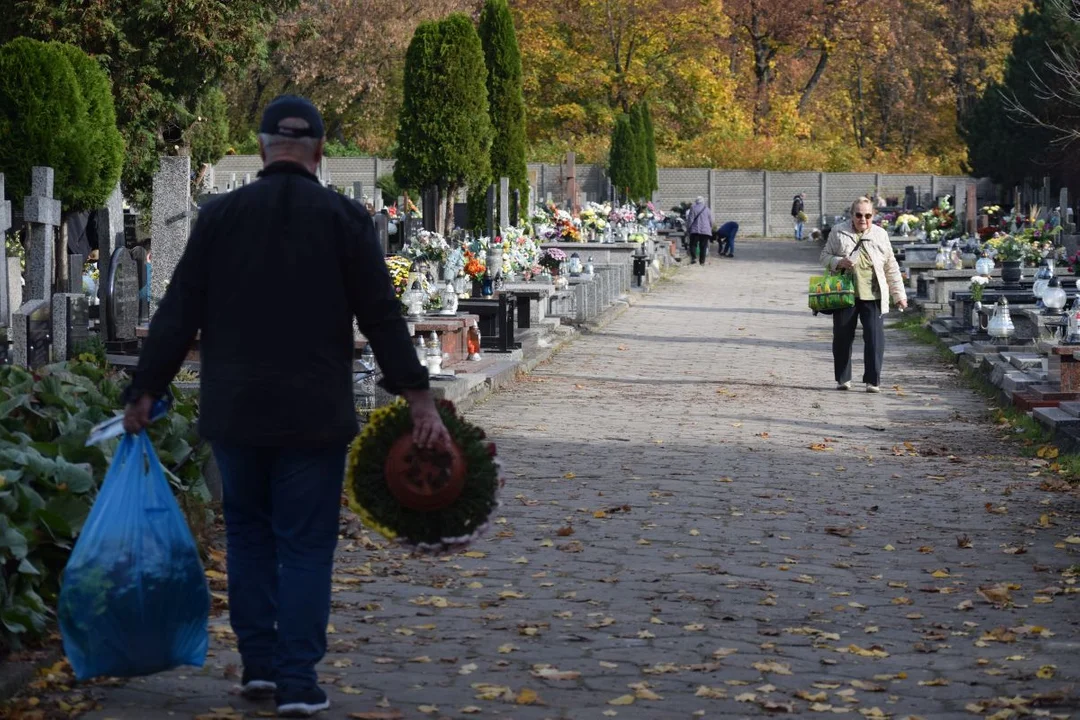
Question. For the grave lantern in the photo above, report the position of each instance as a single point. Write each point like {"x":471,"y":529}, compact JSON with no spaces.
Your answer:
{"x":575,"y":265}
{"x":414,"y":300}
{"x":1054,"y":297}
{"x":1000,"y":325}
{"x":984,"y":266}
{"x":434,"y":354}
{"x":449,"y":299}
{"x":589,"y":269}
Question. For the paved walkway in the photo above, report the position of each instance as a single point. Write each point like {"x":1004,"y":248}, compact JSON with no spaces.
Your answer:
{"x":697,"y":525}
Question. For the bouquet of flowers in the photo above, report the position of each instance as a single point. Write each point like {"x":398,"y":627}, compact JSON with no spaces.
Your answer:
{"x":399,"y":272}
{"x":1008,"y":248}
{"x":625,"y":214}
{"x":520,"y":252}
{"x":978,"y":282}
{"x":651,"y":213}
{"x":552,"y":259}
{"x":940,"y":222}
{"x":427,"y":246}
{"x":475,"y":267}
{"x":907,"y":222}
{"x":594,"y":216}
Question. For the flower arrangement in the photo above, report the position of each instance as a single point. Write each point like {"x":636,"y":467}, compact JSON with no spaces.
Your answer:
{"x":475,"y":268}
{"x":372,"y":485}
{"x":1033,"y":240}
{"x":427,"y":246}
{"x":594,"y":216}
{"x":399,"y":267}
{"x":802,"y":217}
{"x":1009,"y":248}
{"x":978,"y":283}
{"x":651,"y":213}
{"x":940,"y":222}
{"x":552,"y":259}
{"x":624,"y":214}
{"x":520,"y":252}
{"x":907,"y":222}
{"x":990,"y":210}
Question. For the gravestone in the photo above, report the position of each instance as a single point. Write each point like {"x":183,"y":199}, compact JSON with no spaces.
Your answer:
{"x":971,"y":209}
{"x":515,"y":207}
{"x":70,"y":324}
{"x":430,"y":208}
{"x":111,"y":231}
{"x":1063,"y":207}
{"x":5,"y":290}
{"x":504,"y":204}
{"x":571,"y":182}
{"x":121,"y":297}
{"x":31,"y":334}
{"x":143,"y":271}
{"x":490,"y":215}
{"x":75,"y":273}
{"x":911,"y":200}
{"x":171,"y":221}
{"x":358,"y":190}
{"x":42,"y":212}
{"x":382,"y":222}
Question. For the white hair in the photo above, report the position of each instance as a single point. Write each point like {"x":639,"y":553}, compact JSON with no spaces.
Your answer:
{"x":700,"y":199}
{"x":274,"y":144}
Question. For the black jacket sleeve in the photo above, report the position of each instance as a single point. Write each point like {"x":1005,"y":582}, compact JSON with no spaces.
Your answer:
{"x":376,"y":306}
{"x":176,"y":321}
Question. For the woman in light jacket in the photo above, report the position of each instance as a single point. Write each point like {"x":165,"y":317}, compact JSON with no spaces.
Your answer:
{"x":876,"y":277}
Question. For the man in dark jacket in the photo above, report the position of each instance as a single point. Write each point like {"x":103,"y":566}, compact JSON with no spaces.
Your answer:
{"x":272,"y":277}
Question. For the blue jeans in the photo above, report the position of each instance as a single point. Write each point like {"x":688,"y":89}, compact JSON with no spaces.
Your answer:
{"x":281,"y":523}
{"x":725,"y":236}
{"x":798,"y":229}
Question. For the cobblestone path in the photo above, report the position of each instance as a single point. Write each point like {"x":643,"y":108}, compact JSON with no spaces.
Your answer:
{"x":697,"y":525}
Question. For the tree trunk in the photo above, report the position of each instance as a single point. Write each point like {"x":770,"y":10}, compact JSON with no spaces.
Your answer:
{"x":819,"y":70}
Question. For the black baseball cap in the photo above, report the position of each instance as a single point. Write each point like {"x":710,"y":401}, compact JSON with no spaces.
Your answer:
{"x":291,"y":106}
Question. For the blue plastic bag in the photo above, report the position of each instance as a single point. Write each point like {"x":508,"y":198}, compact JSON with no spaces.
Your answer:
{"x":133,"y":597}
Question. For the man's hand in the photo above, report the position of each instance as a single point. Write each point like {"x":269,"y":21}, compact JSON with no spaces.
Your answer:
{"x":844,"y":264}
{"x":428,"y":428}
{"x":137,"y":414}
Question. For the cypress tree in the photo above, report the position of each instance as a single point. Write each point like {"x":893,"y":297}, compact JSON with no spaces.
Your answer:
{"x":650,"y":148}
{"x":444,"y":130}
{"x":506,"y":99}
{"x":621,"y":163}
{"x":640,"y":155}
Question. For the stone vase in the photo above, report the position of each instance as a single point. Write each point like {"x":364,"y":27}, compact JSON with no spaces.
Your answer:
{"x":1011,"y":272}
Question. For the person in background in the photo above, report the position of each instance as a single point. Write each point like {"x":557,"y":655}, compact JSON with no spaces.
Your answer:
{"x":859,"y":247}
{"x":699,"y":225}
{"x":725,"y":238}
{"x":280,"y":422}
{"x":797,"y":206}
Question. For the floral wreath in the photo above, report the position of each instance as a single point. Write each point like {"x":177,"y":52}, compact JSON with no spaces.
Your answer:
{"x":451,"y":527}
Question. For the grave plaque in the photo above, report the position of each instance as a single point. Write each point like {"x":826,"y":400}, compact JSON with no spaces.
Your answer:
{"x":70,"y":324}
{"x":31,"y":330}
{"x":122,"y":297}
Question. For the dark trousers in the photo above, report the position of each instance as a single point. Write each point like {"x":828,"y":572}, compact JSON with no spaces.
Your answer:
{"x":699,"y":245}
{"x":281,"y":521}
{"x":725,"y":238}
{"x":867,"y":312}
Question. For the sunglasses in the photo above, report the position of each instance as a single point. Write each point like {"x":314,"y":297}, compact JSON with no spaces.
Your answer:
{"x":866,"y":216}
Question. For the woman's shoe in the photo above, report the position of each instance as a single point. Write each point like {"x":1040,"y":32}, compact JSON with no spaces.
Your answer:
{"x":844,"y":385}
{"x":872,"y":388}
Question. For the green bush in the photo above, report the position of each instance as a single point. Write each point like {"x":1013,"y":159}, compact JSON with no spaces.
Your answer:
{"x":42,"y":118}
{"x":209,"y":136}
{"x":95,"y":180}
{"x":56,"y":109}
{"x":48,"y":478}
{"x":641,"y":155}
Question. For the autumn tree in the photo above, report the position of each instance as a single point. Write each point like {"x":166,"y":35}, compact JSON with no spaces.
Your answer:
{"x":444,"y":133}
{"x":347,"y":57}
{"x":160,"y":56}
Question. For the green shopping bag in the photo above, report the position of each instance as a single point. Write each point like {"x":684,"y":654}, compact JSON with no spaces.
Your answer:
{"x":831,"y":292}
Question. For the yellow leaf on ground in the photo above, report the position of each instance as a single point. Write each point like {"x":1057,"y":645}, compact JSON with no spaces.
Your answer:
{"x":1046,"y":672}
{"x":713,"y":693}
{"x":622,"y":700}
{"x":527,"y":697}
{"x":773,"y":667}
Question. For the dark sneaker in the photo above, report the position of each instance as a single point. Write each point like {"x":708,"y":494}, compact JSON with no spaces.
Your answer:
{"x":303,"y":704}
{"x":255,"y":686}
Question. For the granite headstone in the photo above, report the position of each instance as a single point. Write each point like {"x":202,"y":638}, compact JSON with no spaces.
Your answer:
{"x":31,"y":334}
{"x":5,"y":291}
{"x":42,"y":212}
{"x":170,"y":226}
{"x":121,"y":297}
{"x":504,"y":204}
{"x":70,"y":324}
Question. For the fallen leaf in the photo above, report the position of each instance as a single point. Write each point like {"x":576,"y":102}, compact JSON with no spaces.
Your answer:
{"x":746,"y":697}
{"x":1046,"y":672}
{"x":713,"y":693}
{"x":724,"y":652}
{"x":772,"y":667}
{"x":527,"y":697}
{"x":936,"y":682}
{"x":550,"y":673}
{"x":811,"y":696}
{"x":507,"y":648}
{"x":995,"y":594}
{"x":428,"y":709}
{"x":622,"y":700}
{"x":888,"y":548}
